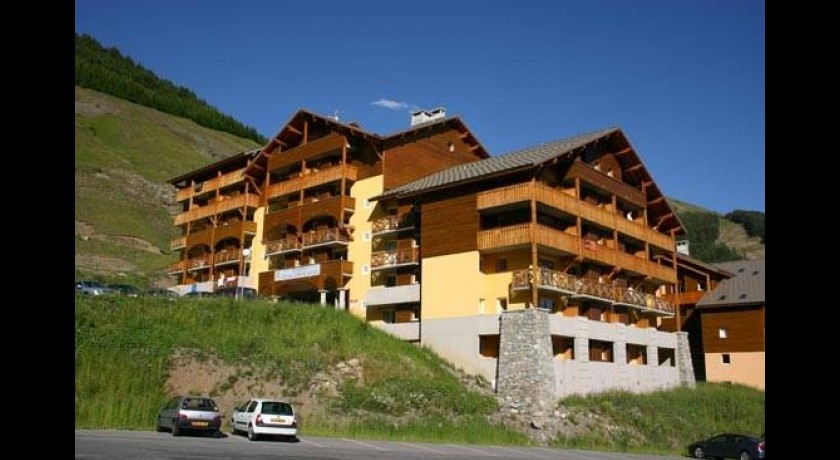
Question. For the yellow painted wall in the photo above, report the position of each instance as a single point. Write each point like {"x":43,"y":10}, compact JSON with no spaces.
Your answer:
{"x":746,"y":368}
{"x":497,"y":285}
{"x":451,"y":286}
{"x":259,"y":263}
{"x":359,"y":249}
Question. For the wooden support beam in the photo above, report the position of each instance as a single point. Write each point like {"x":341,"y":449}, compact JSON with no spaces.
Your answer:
{"x":664,"y":218}
{"x":633,"y":168}
{"x":656,"y":200}
{"x":534,"y":257}
{"x":623,"y":151}
{"x":294,"y":130}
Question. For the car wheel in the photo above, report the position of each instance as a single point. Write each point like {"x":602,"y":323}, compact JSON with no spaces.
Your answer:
{"x":251,"y":435}
{"x":745,"y":456}
{"x":698,"y":452}
{"x":176,"y":430}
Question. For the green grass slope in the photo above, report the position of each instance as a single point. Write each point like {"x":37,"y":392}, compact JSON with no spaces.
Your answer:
{"x":125,"y":361}
{"x":124,"y":154}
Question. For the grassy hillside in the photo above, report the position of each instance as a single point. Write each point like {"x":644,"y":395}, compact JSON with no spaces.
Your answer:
{"x":344,"y":376}
{"x":124,"y":153}
{"x":347,"y":378}
{"x":729,"y":237}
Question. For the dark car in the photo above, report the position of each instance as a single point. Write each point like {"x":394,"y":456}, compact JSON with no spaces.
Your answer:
{"x":125,"y":289}
{"x":728,"y":445}
{"x":189,"y":413}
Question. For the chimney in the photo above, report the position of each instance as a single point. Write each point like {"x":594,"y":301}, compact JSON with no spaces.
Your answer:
{"x":424,"y":116}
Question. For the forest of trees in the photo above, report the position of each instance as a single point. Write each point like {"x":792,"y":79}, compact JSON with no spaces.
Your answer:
{"x":108,"y":71}
{"x":753,"y":222}
{"x":703,"y":229}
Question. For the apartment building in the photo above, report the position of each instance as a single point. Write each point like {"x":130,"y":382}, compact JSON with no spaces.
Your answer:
{"x":425,"y":235}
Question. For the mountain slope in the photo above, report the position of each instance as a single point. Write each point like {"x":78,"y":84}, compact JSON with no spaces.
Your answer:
{"x":124,"y":154}
{"x":729,"y":233}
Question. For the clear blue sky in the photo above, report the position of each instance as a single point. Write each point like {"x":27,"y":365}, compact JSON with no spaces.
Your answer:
{"x":683,"y":79}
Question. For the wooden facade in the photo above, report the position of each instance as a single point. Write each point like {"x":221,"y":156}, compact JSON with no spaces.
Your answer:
{"x":733,"y":330}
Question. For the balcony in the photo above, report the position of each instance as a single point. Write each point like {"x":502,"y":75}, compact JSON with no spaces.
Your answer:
{"x":390,"y":224}
{"x":276,"y":282}
{"x":177,"y":267}
{"x":583,"y":288}
{"x":608,"y":184}
{"x":227,"y":256}
{"x":306,"y":151}
{"x":392,"y":259}
{"x":520,"y":235}
{"x":210,"y":185}
{"x":217,"y":207}
{"x":558,"y":199}
{"x":312,"y":178}
{"x":198,"y":263}
{"x":393,"y":295}
{"x":178,"y":243}
{"x":326,"y":237}
{"x":276,"y":247}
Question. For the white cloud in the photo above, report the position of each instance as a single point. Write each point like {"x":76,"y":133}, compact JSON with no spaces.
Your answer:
{"x":390,"y":104}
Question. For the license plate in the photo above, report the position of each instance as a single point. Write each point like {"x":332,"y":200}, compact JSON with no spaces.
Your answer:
{"x":200,"y":423}
{"x":278,"y":420}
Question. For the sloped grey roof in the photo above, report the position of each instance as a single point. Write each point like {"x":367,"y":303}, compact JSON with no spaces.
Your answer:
{"x":746,"y":287}
{"x":519,"y":159}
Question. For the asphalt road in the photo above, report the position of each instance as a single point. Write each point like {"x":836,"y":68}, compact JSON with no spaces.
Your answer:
{"x":96,"y":444}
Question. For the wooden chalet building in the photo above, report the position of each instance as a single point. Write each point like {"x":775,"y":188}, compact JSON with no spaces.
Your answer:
{"x":424,"y":234}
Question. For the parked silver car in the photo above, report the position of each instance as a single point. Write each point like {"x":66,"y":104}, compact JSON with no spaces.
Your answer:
{"x":189,"y":413}
{"x":259,"y":417}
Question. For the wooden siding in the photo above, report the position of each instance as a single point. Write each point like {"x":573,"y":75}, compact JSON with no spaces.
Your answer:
{"x":218,"y":207}
{"x":449,"y":226}
{"x":211,"y":185}
{"x":409,"y":162}
{"x":558,"y":199}
{"x":306,"y":151}
{"x":744,"y":329}
{"x":602,"y":181}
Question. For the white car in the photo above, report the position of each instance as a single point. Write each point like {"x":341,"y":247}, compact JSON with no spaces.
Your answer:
{"x":259,"y":417}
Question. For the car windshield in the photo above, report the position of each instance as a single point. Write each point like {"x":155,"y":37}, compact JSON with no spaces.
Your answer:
{"x":276,"y":408}
{"x":202,"y":404}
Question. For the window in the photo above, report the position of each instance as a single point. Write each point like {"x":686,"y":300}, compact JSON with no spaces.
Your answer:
{"x":502,"y":303}
{"x":501,"y":264}
{"x":481,"y":305}
{"x":389,"y":316}
{"x":667,"y":357}
{"x":563,"y":347}
{"x":725,"y":359}
{"x":391,"y":280}
{"x":545,"y":263}
{"x":546,"y":304}
{"x":488,"y":346}
{"x":252,"y":406}
{"x":600,"y":351}
{"x":722,"y":333}
{"x":636,"y":354}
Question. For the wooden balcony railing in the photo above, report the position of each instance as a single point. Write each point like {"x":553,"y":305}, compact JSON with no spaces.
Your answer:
{"x":496,"y":238}
{"x":178,"y":243}
{"x":210,"y":185}
{"x":312,"y":179}
{"x":324,"y":237}
{"x":336,"y":269}
{"x":282,"y":246}
{"x":298,"y":154}
{"x":517,"y":235}
{"x":385,"y":259}
{"x":226,"y":256}
{"x":570,"y":284}
{"x":177,"y":267}
{"x":391,"y":224}
{"x":218,"y":207}
{"x":611,"y":185}
{"x":557,"y":199}
{"x":197,"y":263}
